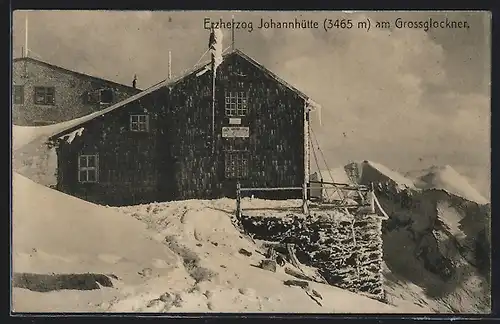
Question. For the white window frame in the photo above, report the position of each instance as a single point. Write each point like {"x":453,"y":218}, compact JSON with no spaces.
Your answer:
{"x":236,"y":103}
{"x":86,"y":168}
{"x":136,"y":123}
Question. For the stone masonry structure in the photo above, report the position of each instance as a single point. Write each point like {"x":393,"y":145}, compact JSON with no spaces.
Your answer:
{"x":346,"y":249}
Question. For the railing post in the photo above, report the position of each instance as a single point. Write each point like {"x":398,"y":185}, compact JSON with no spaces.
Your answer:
{"x":304,"y":199}
{"x":321,"y":191}
{"x":372,"y":198}
{"x":238,"y":201}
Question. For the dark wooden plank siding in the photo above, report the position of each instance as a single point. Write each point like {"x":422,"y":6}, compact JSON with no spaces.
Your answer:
{"x":275,"y":119}
{"x":129,"y":162}
{"x":178,"y":158}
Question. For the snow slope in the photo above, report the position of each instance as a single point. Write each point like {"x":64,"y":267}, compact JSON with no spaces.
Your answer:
{"x":236,"y":284}
{"x":446,"y":178}
{"x":188,"y":256}
{"x":56,"y":233}
{"x":30,"y":155}
{"x":22,"y":135}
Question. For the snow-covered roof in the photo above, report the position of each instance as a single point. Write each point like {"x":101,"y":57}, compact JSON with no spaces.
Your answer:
{"x":68,"y":71}
{"x":173,"y":82}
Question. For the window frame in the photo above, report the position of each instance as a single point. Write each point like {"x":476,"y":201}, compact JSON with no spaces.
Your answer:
{"x":46,"y":90}
{"x":18,"y":90}
{"x":241,"y":164}
{"x":112,"y":96}
{"x":86,"y":168}
{"x":138,"y":122}
{"x":233,"y":107}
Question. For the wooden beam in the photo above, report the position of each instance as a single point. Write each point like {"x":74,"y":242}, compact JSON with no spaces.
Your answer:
{"x":271,"y":189}
{"x":307,"y":153}
{"x":238,"y":201}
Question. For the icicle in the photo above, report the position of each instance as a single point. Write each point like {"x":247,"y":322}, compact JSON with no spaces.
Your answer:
{"x":71,"y":136}
{"x":314,"y":107}
{"x":207,"y":68}
{"x":377,"y":203}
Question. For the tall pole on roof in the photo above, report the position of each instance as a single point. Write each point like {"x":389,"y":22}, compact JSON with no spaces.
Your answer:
{"x":26,"y":34}
{"x":169,"y":65}
{"x":215,"y":48}
{"x":232,"y":33}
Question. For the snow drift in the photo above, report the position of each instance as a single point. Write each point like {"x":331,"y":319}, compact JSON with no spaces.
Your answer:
{"x":22,"y":135}
{"x":186,"y":260}
{"x":53,"y":233}
{"x":61,"y":227}
{"x":31,"y":157}
{"x":236,"y":283}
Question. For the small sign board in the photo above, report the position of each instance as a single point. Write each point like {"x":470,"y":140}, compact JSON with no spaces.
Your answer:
{"x":235,"y":132}
{"x":234,"y":121}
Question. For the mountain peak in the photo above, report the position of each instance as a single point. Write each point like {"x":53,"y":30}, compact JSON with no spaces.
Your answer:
{"x":445,"y":177}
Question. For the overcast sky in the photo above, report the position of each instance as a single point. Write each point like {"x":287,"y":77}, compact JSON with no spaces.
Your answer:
{"x":403,"y":97}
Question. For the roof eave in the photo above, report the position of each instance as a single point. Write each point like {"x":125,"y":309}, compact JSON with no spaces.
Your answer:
{"x":74,"y":72}
{"x":172,"y":82}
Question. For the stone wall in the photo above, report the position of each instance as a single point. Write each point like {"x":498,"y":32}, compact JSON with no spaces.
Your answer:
{"x":346,"y":249}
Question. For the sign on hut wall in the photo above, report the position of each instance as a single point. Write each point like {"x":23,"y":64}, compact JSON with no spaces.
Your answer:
{"x":235,"y":132}
{"x":235,"y":121}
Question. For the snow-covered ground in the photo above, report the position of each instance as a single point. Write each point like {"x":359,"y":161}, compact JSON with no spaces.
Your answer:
{"x":188,"y":255}
{"x":57,"y":233}
{"x":190,"y":249}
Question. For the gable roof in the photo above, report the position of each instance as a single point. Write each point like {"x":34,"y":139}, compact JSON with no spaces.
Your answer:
{"x":169,"y":83}
{"x":64,"y":70}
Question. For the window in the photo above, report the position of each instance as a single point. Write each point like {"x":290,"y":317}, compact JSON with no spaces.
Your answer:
{"x":236,"y":103}
{"x":45,"y":96}
{"x":88,"y":168}
{"x":106,"y":96}
{"x":18,"y":94}
{"x":236,"y":163}
{"x":139,"y":123}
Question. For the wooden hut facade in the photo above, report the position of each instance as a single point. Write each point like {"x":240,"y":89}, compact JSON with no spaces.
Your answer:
{"x":171,"y":142}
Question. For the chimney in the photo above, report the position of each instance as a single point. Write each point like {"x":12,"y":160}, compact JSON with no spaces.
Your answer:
{"x":134,"y":82}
